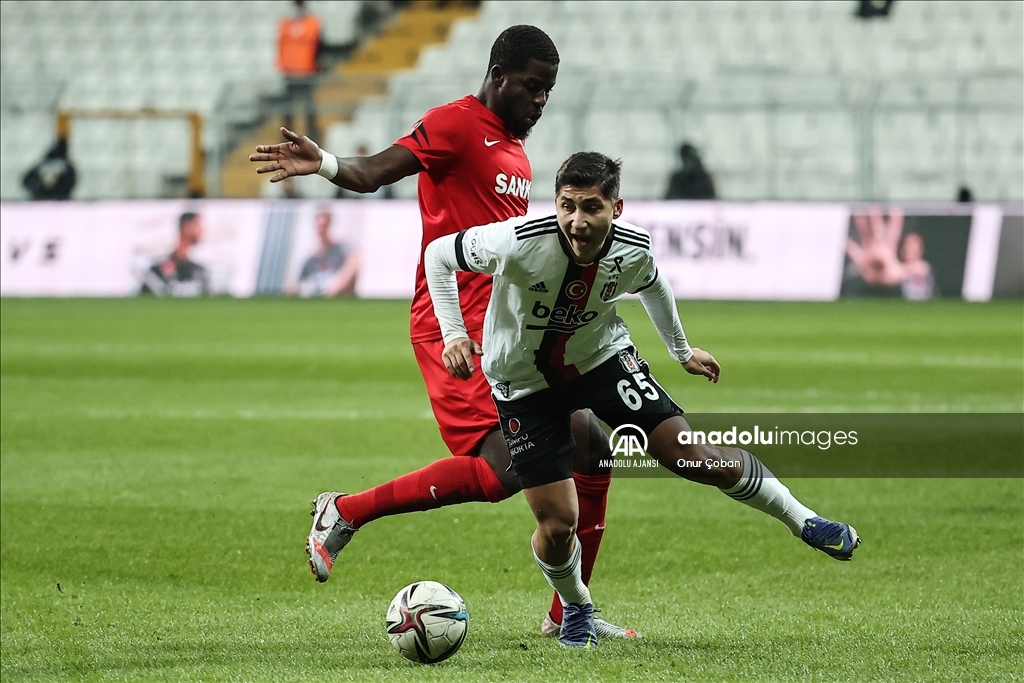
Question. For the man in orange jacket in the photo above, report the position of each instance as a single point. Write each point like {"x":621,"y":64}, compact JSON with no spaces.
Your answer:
{"x":298,"y":50}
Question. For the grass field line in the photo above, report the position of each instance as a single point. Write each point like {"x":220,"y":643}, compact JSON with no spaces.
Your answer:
{"x":891,"y":359}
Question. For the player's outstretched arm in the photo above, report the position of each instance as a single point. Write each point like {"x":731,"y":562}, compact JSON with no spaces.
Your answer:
{"x":299,"y":155}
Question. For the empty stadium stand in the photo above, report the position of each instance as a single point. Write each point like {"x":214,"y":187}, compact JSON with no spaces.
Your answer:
{"x":794,"y":100}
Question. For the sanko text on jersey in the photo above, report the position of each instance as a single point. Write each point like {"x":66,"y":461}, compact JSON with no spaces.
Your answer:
{"x":520,"y":187}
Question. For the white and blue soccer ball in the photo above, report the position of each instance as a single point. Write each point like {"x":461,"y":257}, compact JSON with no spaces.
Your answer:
{"x":427,"y":622}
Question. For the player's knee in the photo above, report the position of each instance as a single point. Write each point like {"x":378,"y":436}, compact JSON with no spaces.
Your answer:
{"x":557,"y":531}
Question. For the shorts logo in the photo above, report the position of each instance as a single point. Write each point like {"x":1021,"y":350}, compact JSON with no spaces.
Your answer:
{"x":504,"y":388}
{"x":609,"y":290}
{"x":629,"y":362}
{"x":577,"y":289}
{"x":514,"y":426}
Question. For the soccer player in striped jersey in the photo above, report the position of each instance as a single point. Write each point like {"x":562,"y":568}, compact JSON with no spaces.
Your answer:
{"x":472,"y":169}
{"x":553,"y":344}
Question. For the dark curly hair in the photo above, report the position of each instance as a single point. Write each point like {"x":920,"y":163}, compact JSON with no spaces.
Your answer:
{"x":518,"y":44}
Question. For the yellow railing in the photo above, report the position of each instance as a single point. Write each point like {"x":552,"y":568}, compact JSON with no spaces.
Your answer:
{"x":196,"y":174}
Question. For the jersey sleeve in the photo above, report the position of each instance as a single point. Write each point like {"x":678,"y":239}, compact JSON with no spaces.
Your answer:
{"x":660,"y":304}
{"x":482,"y":249}
{"x":437,"y":138}
{"x":486,"y":248}
{"x":646,"y":276}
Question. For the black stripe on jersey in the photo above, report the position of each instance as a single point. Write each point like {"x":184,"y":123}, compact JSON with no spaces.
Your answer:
{"x":540,"y":226}
{"x":653,"y":280}
{"x":549,"y":231}
{"x":542,"y":356}
{"x":535,"y":223}
{"x":419,"y":128}
{"x":459,"y":255}
{"x":628,"y":236}
{"x":536,"y":226}
{"x":533,"y":227}
{"x":630,"y":231}
{"x":633,"y":243}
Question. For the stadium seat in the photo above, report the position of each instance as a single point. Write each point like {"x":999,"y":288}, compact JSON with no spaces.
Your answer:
{"x":774,"y":93}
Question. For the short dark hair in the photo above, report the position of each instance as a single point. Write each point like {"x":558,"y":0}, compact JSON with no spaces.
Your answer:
{"x":186,"y":218}
{"x":587,"y":169}
{"x":519,"y":44}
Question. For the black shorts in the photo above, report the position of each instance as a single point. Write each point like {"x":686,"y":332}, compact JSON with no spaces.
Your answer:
{"x":537,"y":428}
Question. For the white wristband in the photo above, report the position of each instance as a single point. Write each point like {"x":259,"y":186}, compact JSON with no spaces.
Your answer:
{"x":328,"y":165}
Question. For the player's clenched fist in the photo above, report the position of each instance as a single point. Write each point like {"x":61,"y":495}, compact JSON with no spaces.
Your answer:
{"x":703,"y":363}
{"x":458,"y":356}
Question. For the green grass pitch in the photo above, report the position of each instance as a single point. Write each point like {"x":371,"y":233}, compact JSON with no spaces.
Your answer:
{"x":158,"y":457}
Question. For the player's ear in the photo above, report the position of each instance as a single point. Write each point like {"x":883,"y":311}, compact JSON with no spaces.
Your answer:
{"x":617,"y":211}
{"x":497,"y":75}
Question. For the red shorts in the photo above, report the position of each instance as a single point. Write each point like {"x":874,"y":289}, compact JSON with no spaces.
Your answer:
{"x":464,"y":409}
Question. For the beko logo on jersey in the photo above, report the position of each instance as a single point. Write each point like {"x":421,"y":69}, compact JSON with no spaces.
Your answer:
{"x":520,"y":187}
{"x":561,"y":318}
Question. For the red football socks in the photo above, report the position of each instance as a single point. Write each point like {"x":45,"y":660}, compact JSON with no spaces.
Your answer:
{"x":448,"y":481}
{"x":592,"y":492}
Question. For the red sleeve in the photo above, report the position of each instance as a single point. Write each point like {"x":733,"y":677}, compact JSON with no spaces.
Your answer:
{"x":437,"y":138}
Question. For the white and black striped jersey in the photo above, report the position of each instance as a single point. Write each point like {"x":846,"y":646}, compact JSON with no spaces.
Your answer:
{"x":549,"y":319}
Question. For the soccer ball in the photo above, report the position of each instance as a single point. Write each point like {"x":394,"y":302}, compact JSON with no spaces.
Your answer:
{"x":427,"y":622}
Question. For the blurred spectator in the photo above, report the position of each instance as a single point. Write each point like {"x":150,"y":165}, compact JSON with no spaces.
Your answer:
{"x":372,"y":15}
{"x":691,"y":181}
{"x":964,"y":195}
{"x":54,"y":177}
{"x":178,"y":275}
{"x":869,"y":9}
{"x":299,"y":39}
{"x":332,"y":268}
{"x":384,"y":192}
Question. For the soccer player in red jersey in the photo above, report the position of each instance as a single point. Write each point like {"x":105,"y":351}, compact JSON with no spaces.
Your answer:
{"x":473,"y":170}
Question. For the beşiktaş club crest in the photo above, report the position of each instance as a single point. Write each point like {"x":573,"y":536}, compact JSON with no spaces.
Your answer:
{"x":504,"y":388}
{"x":608,"y":291}
{"x":629,"y":362}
